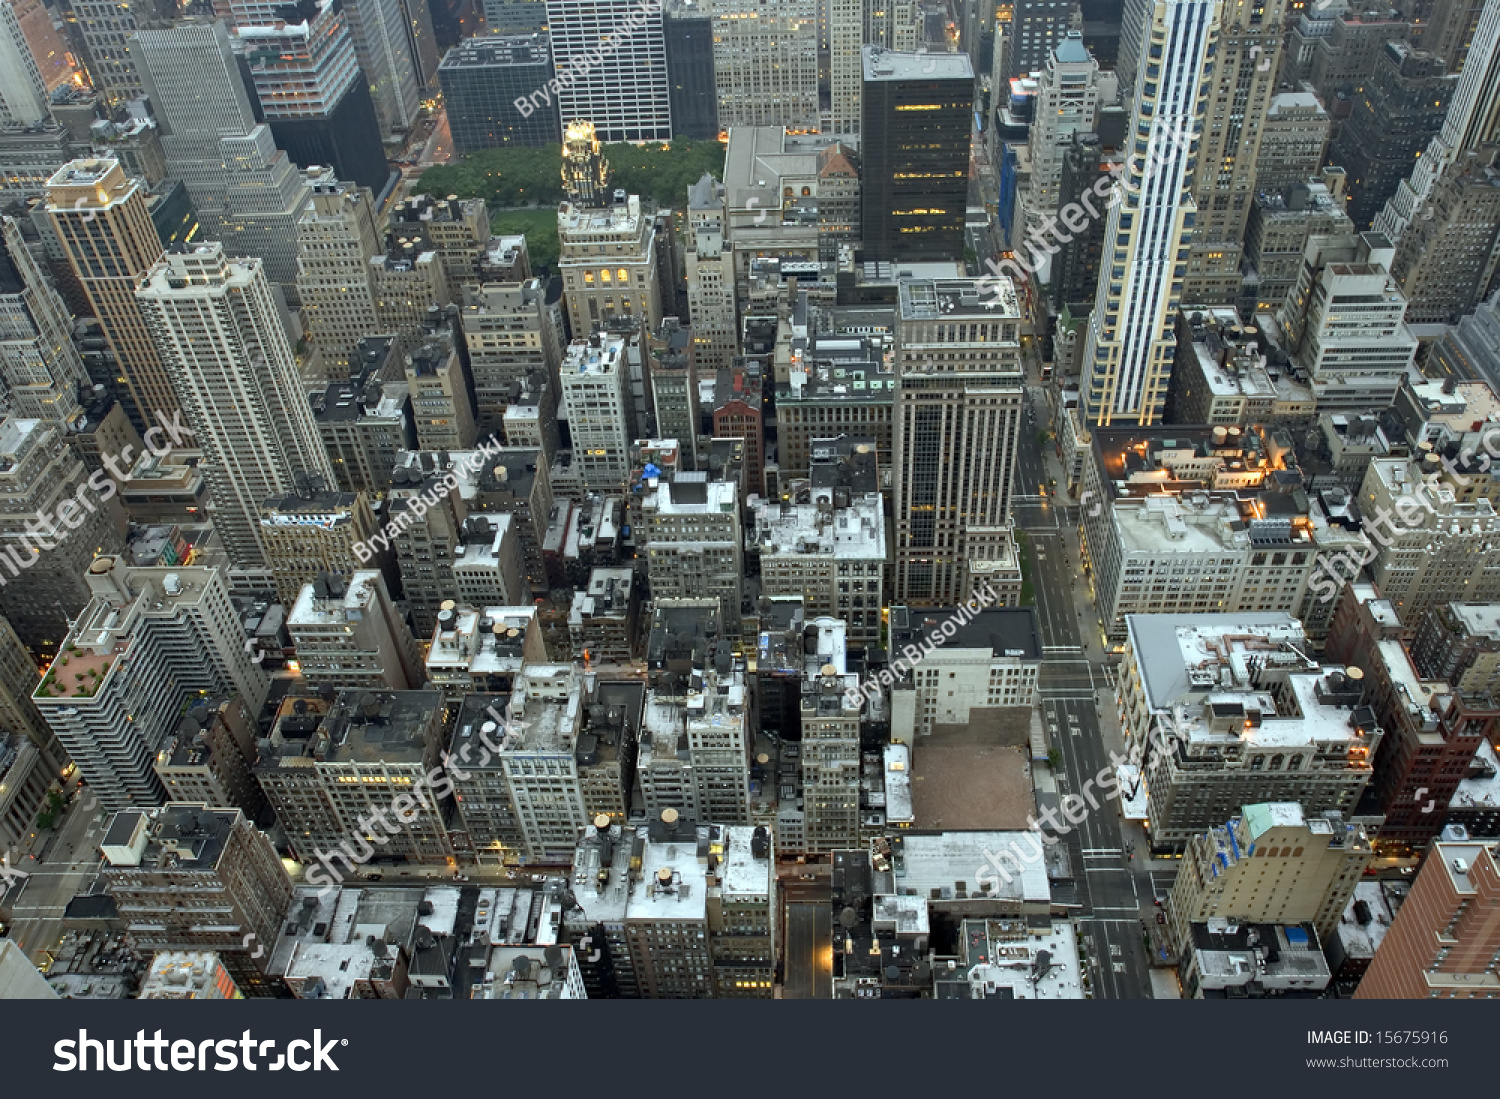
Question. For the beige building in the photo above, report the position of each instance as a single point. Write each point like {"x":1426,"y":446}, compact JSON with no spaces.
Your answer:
{"x":349,"y":634}
{"x":956,"y":426}
{"x":459,"y":228}
{"x":1435,"y":549}
{"x":328,"y":766}
{"x":1270,"y":865}
{"x":440,"y":401}
{"x":336,"y":236}
{"x":766,"y":63}
{"x":408,"y":279}
{"x":608,"y":264}
{"x":101,"y":220}
{"x":312,"y":533}
{"x":830,"y":552}
{"x":511,"y":334}
{"x":693,"y":543}
{"x":1227,"y":710}
{"x":1241,"y":86}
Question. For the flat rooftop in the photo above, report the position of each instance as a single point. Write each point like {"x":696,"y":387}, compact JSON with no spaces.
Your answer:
{"x":1005,"y":631}
{"x":941,"y":860}
{"x":1478,"y":619}
{"x":1011,"y":960}
{"x":882,"y":64}
{"x":958,"y":299}
{"x":381,"y":726}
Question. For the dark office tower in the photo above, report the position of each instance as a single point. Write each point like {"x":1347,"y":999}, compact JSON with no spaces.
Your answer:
{"x":1134,"y":17}
{"x":918,"y":112}
{"x":1101,"y":30}
{"x":1075,"y":271}
{"x":1036,"y":28}
{"x":309,"y":88}
{"x":1399,"y":111}
{"x":690,"y":70}
{"x":485,"y":81}
{"x":515,"y":16}
{"x":451,"y":20}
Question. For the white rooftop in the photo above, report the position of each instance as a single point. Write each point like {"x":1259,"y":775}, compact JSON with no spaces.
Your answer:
{"x":942,"y":860}
{"x":898,"y":800}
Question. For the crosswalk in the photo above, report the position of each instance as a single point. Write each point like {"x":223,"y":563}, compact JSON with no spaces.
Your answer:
{"x":1102,"y":853}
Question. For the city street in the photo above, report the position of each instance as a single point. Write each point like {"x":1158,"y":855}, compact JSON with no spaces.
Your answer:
{"x":1111,"y":865}
{"x":70,"y":863}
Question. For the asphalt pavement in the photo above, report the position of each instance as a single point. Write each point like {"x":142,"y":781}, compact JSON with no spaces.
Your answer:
{"x":1111,"y":864}
{"x":70,"y":863}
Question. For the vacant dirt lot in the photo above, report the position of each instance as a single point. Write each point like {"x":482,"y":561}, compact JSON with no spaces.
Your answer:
{"x":973,"y":777}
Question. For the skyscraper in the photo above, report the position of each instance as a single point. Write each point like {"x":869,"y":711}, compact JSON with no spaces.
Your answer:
{"x":41,"y":558}
{"x":482,"y":79}
{"x":1398,"y":110}
{"x":23,"y":94}
{"x":1037,"y":28}
{"x":690,"y":69}
{"x":248,"y":193}
{"x":595,"y":383}
{"x":1067,"y":104}
{"x":384,"y":49}
{"x":220,"y":335}
{"x":956,"y":426}
{"x":336,"y":236}
{"x":1442,"y":219}
{"x":40,"y":370}
{"x":307,"y":82}
{"x":766,"y":63}
{"x":846,"y":20}
{"x":1242,"y":82}
{"x":624,"y":92}
{"x":1127,"y":359}
{"x":56,"y":65}
{"x":918,"y":114}
{"x":148,"y":641}
{"x":105,"y":230}
{"x":106,"y":27}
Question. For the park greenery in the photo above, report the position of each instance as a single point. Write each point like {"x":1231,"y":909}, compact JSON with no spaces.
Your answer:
{"x":518,"y":185}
